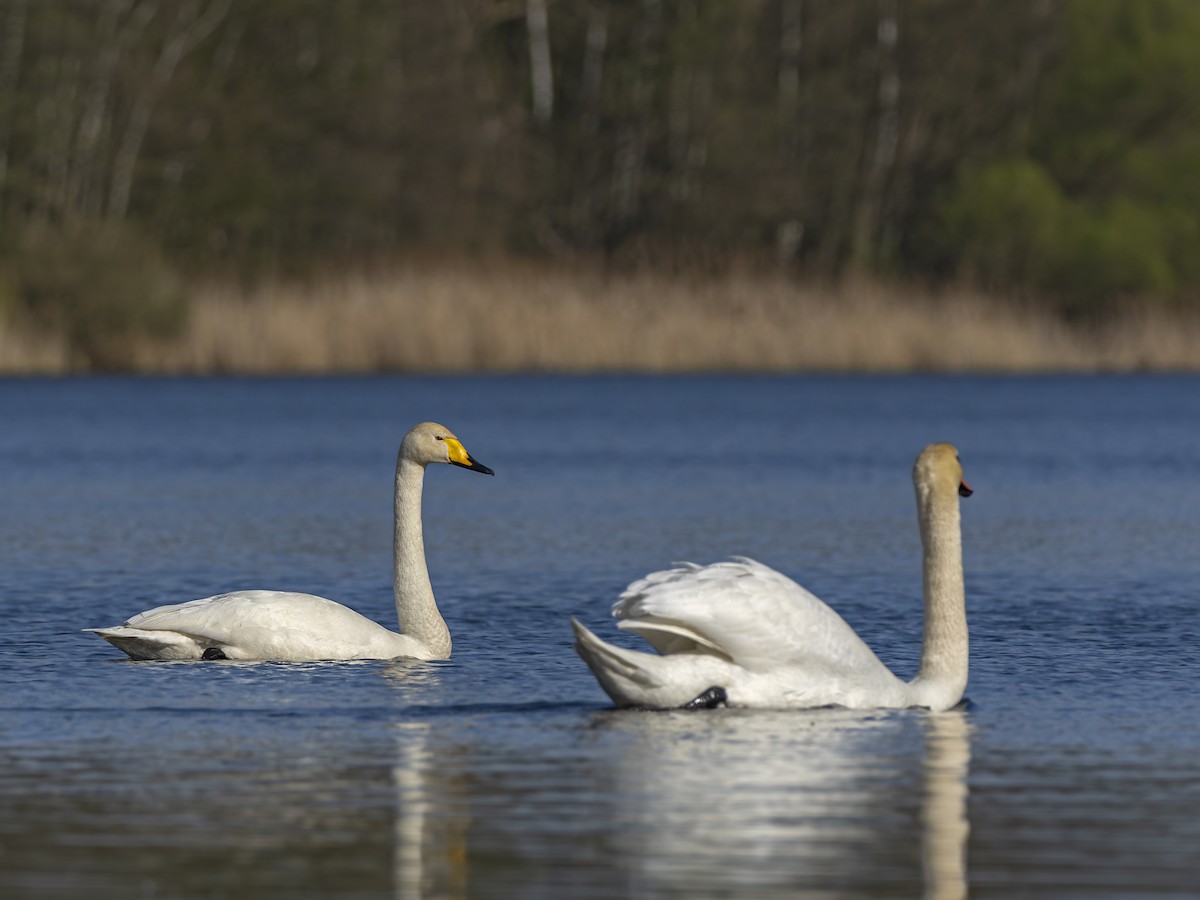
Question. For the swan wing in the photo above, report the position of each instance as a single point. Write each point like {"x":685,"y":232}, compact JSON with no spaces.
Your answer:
{"x":276,"y":625}
{"x":747,"y":612}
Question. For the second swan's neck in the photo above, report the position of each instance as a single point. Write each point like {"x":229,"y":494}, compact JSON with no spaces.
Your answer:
{"x":942,"y":677}
{"x":415,"y":604}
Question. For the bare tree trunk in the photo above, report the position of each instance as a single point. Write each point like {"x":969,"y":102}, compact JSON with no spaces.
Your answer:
{"x":55,"y":128}
{"x":91,"y":119}
{"x":790,"y":37}
{"x":880,"y":159}
{"x":12,"y":46}
{"x":593,"y":67}
{"x":790,"y":232}
{"x":541,"y":73}
{"x":83,"y":194}
{"x":679,"y":127}
{"x":585,"y":202}
{"x":629,"y":161}
{"x":1032,"y":66}
{"x":690,"y":102}
{"x":189,"y":28}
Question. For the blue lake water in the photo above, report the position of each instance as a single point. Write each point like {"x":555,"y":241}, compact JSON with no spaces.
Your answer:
{"x":1074,"y":771}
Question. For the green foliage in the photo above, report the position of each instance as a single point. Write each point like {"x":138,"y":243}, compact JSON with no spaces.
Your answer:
{"x":1106,"y":203}
{"x":1127,"y":83}
{"x":1011,"y":225}
{"x":1004,"y":223}
{"x":1117,"y":251}
{"x":100,"y":284}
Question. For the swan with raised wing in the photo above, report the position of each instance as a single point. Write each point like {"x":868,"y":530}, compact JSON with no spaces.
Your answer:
{"x":281,"y":625}
{"x":741,"y":634}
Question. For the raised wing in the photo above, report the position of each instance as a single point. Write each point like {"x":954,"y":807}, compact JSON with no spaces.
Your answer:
{"x":747,"y":612}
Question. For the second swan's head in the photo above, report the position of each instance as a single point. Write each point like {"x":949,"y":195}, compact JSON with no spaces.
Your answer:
{"x":938,"y":468}
{"x":430,"y":442}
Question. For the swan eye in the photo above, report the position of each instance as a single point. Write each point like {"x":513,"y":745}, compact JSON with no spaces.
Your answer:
{"x":439,"y":437}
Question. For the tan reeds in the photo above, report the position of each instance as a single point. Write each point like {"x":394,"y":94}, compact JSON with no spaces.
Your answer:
{"x":506,"y":318}
{"x":25,"y":352}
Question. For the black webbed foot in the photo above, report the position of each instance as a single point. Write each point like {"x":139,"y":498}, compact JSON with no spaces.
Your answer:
{"x":710,"y":699}
{"x":214,"y":653}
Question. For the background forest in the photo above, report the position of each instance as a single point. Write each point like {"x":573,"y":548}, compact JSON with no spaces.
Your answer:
{"x":1043,"y":152}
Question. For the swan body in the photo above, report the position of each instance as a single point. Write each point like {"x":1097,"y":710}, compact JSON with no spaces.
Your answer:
{"x":282,"y":625}
{"x":764,"y":641}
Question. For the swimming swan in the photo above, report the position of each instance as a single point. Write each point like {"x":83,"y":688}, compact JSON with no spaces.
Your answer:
{"x":741,"y":633}
{"x":288,"y":626}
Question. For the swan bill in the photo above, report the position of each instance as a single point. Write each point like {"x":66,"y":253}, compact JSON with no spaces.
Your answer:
{"x":473,"y":465}
{"x":964,"y":489}
{"x":460,"y":457}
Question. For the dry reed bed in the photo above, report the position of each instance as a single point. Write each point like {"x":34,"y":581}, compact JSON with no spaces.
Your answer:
{"x":508,"y":318}
{"x":25,"y":353}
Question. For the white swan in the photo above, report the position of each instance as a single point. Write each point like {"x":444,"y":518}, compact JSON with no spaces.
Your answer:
{"x":743,"y":634}
{"x":287,"y":626}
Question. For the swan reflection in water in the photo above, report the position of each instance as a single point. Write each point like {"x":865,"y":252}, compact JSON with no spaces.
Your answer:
{"x":767,"y":804}
{"x":428,"y":834}
{"x":944,"y":821}
{"x":748,"y":803}
{"x":429,"y":854}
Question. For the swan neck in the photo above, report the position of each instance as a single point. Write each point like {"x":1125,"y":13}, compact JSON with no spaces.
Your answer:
{"x":416,"y":607}
{"x":945,"y":649}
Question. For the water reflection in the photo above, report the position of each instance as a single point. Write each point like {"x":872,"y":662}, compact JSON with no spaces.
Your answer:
{"x":728,"y":803}
{"x":410,"y":679}
{"x":766,"y":804}
{"x":944,"y":816}
{"x":430,"y":845}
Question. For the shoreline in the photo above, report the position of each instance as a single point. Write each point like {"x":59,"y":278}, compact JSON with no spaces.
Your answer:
{"x":526,"y":319}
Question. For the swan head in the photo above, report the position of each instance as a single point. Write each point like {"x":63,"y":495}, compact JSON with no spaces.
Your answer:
{"x":430,"y":442}
{"x":938,"y":469}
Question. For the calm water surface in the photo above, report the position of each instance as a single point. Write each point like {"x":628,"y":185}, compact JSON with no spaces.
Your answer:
{"x":1074,"y":771}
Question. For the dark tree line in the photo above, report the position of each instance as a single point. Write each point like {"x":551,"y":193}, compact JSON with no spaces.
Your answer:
{"x":1046,"y":148}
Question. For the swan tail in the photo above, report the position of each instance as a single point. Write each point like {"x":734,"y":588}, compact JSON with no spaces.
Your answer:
{"x":139,"y":643}
{"x":624,"y":674}
{"x":638,"y":679}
